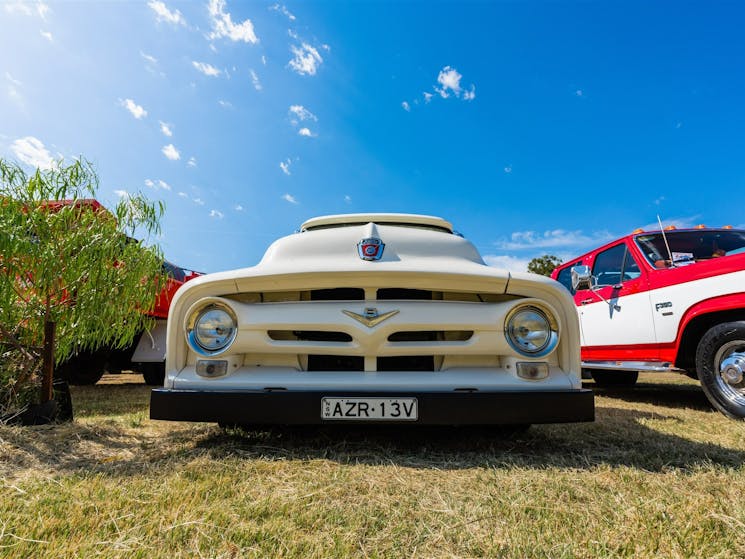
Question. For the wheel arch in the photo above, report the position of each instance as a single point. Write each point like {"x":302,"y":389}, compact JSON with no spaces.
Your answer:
{"x":702,"y":316}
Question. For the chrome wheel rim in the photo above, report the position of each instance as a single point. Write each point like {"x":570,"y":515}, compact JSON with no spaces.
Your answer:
{"x":729,"y":363}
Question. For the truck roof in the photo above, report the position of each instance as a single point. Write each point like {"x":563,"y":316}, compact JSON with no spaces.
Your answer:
{"x":411,"y":220}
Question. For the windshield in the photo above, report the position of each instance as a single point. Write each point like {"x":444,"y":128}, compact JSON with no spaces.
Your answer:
{"x":687,"y":247}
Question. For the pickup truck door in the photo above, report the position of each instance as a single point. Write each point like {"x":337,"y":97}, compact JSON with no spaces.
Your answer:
{"x":616,"y":316}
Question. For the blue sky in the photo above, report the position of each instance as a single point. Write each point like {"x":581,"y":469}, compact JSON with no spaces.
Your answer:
{"x":535,"y":127}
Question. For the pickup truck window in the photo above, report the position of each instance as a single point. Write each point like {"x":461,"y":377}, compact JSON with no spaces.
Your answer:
{"x":700,"y":245}
{"x":565,"y":276}
{"x":614,"y":266}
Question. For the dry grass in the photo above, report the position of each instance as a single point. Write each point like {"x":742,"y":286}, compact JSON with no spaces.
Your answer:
{"x":658,"y":475}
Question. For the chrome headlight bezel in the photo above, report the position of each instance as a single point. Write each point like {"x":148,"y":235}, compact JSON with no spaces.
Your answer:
{"x":551,"y":329}
{"x":192,"y":333}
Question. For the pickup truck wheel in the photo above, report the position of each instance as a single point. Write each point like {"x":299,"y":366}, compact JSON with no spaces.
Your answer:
{"x":720,"y":362}
{"x":153,"y":373}
{"x":614,"y":378}
{"x":84,"y":368}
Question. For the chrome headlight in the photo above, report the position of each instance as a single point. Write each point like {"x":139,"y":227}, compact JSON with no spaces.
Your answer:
{"x":531,"y":331}
{"x":211,"y":329}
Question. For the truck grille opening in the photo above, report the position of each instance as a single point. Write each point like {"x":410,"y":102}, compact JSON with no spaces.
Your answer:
{"x":432,"y":336}
{"x":407,"y":363}
{"x":335,"y":363}
{"x":309,"y":336}
{"x":338,"y":294}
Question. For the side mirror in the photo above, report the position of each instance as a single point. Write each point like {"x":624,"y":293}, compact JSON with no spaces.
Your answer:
{"x":581,"y":278}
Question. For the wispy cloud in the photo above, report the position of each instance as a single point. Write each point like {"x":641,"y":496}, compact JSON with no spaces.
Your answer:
{"x":306,"y":132}
{"x":192,"y":162}
{"x":348,"y":199}
{"x":305,"y":60}
{"x":283,"y":10}
{"x":122,"y":193}
{"x":163,"y":185}
{"x":206,"y":69}
{"x":13,"y":90}
{"x":556,"y":238}
{"x":405,"y":106}
{"x":225,"y":104}
{"x":40,"y":9}
{"x":183,"y":194}
{"x":449,"y":84}
{"x":32,"y":151}
{"x":150,"y":59}
{"x":223,"y":25}
{"x":163,"y":13}
{"x":238,"y":208}
{"x":299,"y":114}
{"x":285,"y":166}
{"x":47,"y":35}
{"x":216,"y":214}
{"x":171,"y":152}
{"x":198,"y":201}
{"x":255,"y":80}
{"x":136,"y":110}
{"x":165,"y":128}
{"x":507,"y":262}
{"x":290,"y":198}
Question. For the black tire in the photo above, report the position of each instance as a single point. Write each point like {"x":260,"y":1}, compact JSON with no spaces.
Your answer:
{"x":84,"y":368}
{"x":153,"y":373}
{"x":614,"y":378}
{"x":721,"y":343}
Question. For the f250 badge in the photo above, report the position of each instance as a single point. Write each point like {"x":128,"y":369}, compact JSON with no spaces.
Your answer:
{"x":370,"y":249}
{"x":666,"y":305}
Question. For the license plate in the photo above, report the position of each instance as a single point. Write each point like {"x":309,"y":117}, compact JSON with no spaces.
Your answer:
{"x":370,"y":409}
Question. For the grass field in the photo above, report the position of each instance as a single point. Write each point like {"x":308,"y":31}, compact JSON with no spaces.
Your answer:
{"x":657,"y":475}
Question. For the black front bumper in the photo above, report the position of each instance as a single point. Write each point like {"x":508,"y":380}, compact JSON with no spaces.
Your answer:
{"x":435,"y":408}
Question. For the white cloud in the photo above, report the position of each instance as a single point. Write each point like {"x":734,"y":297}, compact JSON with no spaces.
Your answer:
{"x":157,"y":184}
{"x":122,"y":193}
{"x":164,"y":185}
{"x":31,"y":151}
{"x":470,"y":95}
{"x":306,"y":132}
{"x":206,"y":69}
{"x":137,"y":110}
{"x":27,"y":8}
{"x":148,"y":58}
{"x":171,"y":152}
{"x":263,"y":59}
{"x":427,"y":97}
{"x":223,"y":26}
{"x":47,"y":35}
{"x":225,"y":104}
{"x":507,"y":262}
{"x":306,"y":59}
{"x":301,"y":114}
{"x":283,"y":10}
{"x":556,"y":238}
{"x":149,"y":183}
{"x":405,"y":105}
{"x":255,"y":80}
{"x":449,"y":85}
{"x":13,"y":89}
{"x":290,"y":198}
{"x":216,"y":214}
{"x":238,"y":208}
{"x":165,"y":128}
{"x":162,"y":13}
{"x":192,"y":162}
{"x":183,"y":194}
{"x":285,"y":166}
{"x":12,"y":80}
{"x":348,"y":199}
{"x":198,"y":201}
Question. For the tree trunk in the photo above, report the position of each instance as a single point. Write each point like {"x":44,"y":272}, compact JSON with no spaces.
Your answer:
{"x":47,"y":366}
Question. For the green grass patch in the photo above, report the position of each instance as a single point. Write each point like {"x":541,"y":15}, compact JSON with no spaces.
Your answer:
{"x":659,"y":474}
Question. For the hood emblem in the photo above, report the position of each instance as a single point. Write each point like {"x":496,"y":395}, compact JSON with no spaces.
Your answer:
{"x":370,"y":249}
{"x":370,"y":318}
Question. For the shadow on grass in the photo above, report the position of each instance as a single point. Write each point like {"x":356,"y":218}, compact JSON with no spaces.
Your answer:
{"x":667,"y":395}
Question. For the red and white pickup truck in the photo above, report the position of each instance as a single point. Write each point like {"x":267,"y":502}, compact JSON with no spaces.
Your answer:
{"x":671,"y":300}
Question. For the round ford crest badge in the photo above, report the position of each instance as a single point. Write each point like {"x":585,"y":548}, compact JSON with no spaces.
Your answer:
{"x":370,"y":249}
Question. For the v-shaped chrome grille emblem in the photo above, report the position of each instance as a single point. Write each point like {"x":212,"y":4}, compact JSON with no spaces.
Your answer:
{"x":370,"y":318}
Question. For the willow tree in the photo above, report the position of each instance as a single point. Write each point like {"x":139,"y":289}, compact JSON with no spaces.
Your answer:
{"x":72,"y":276}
